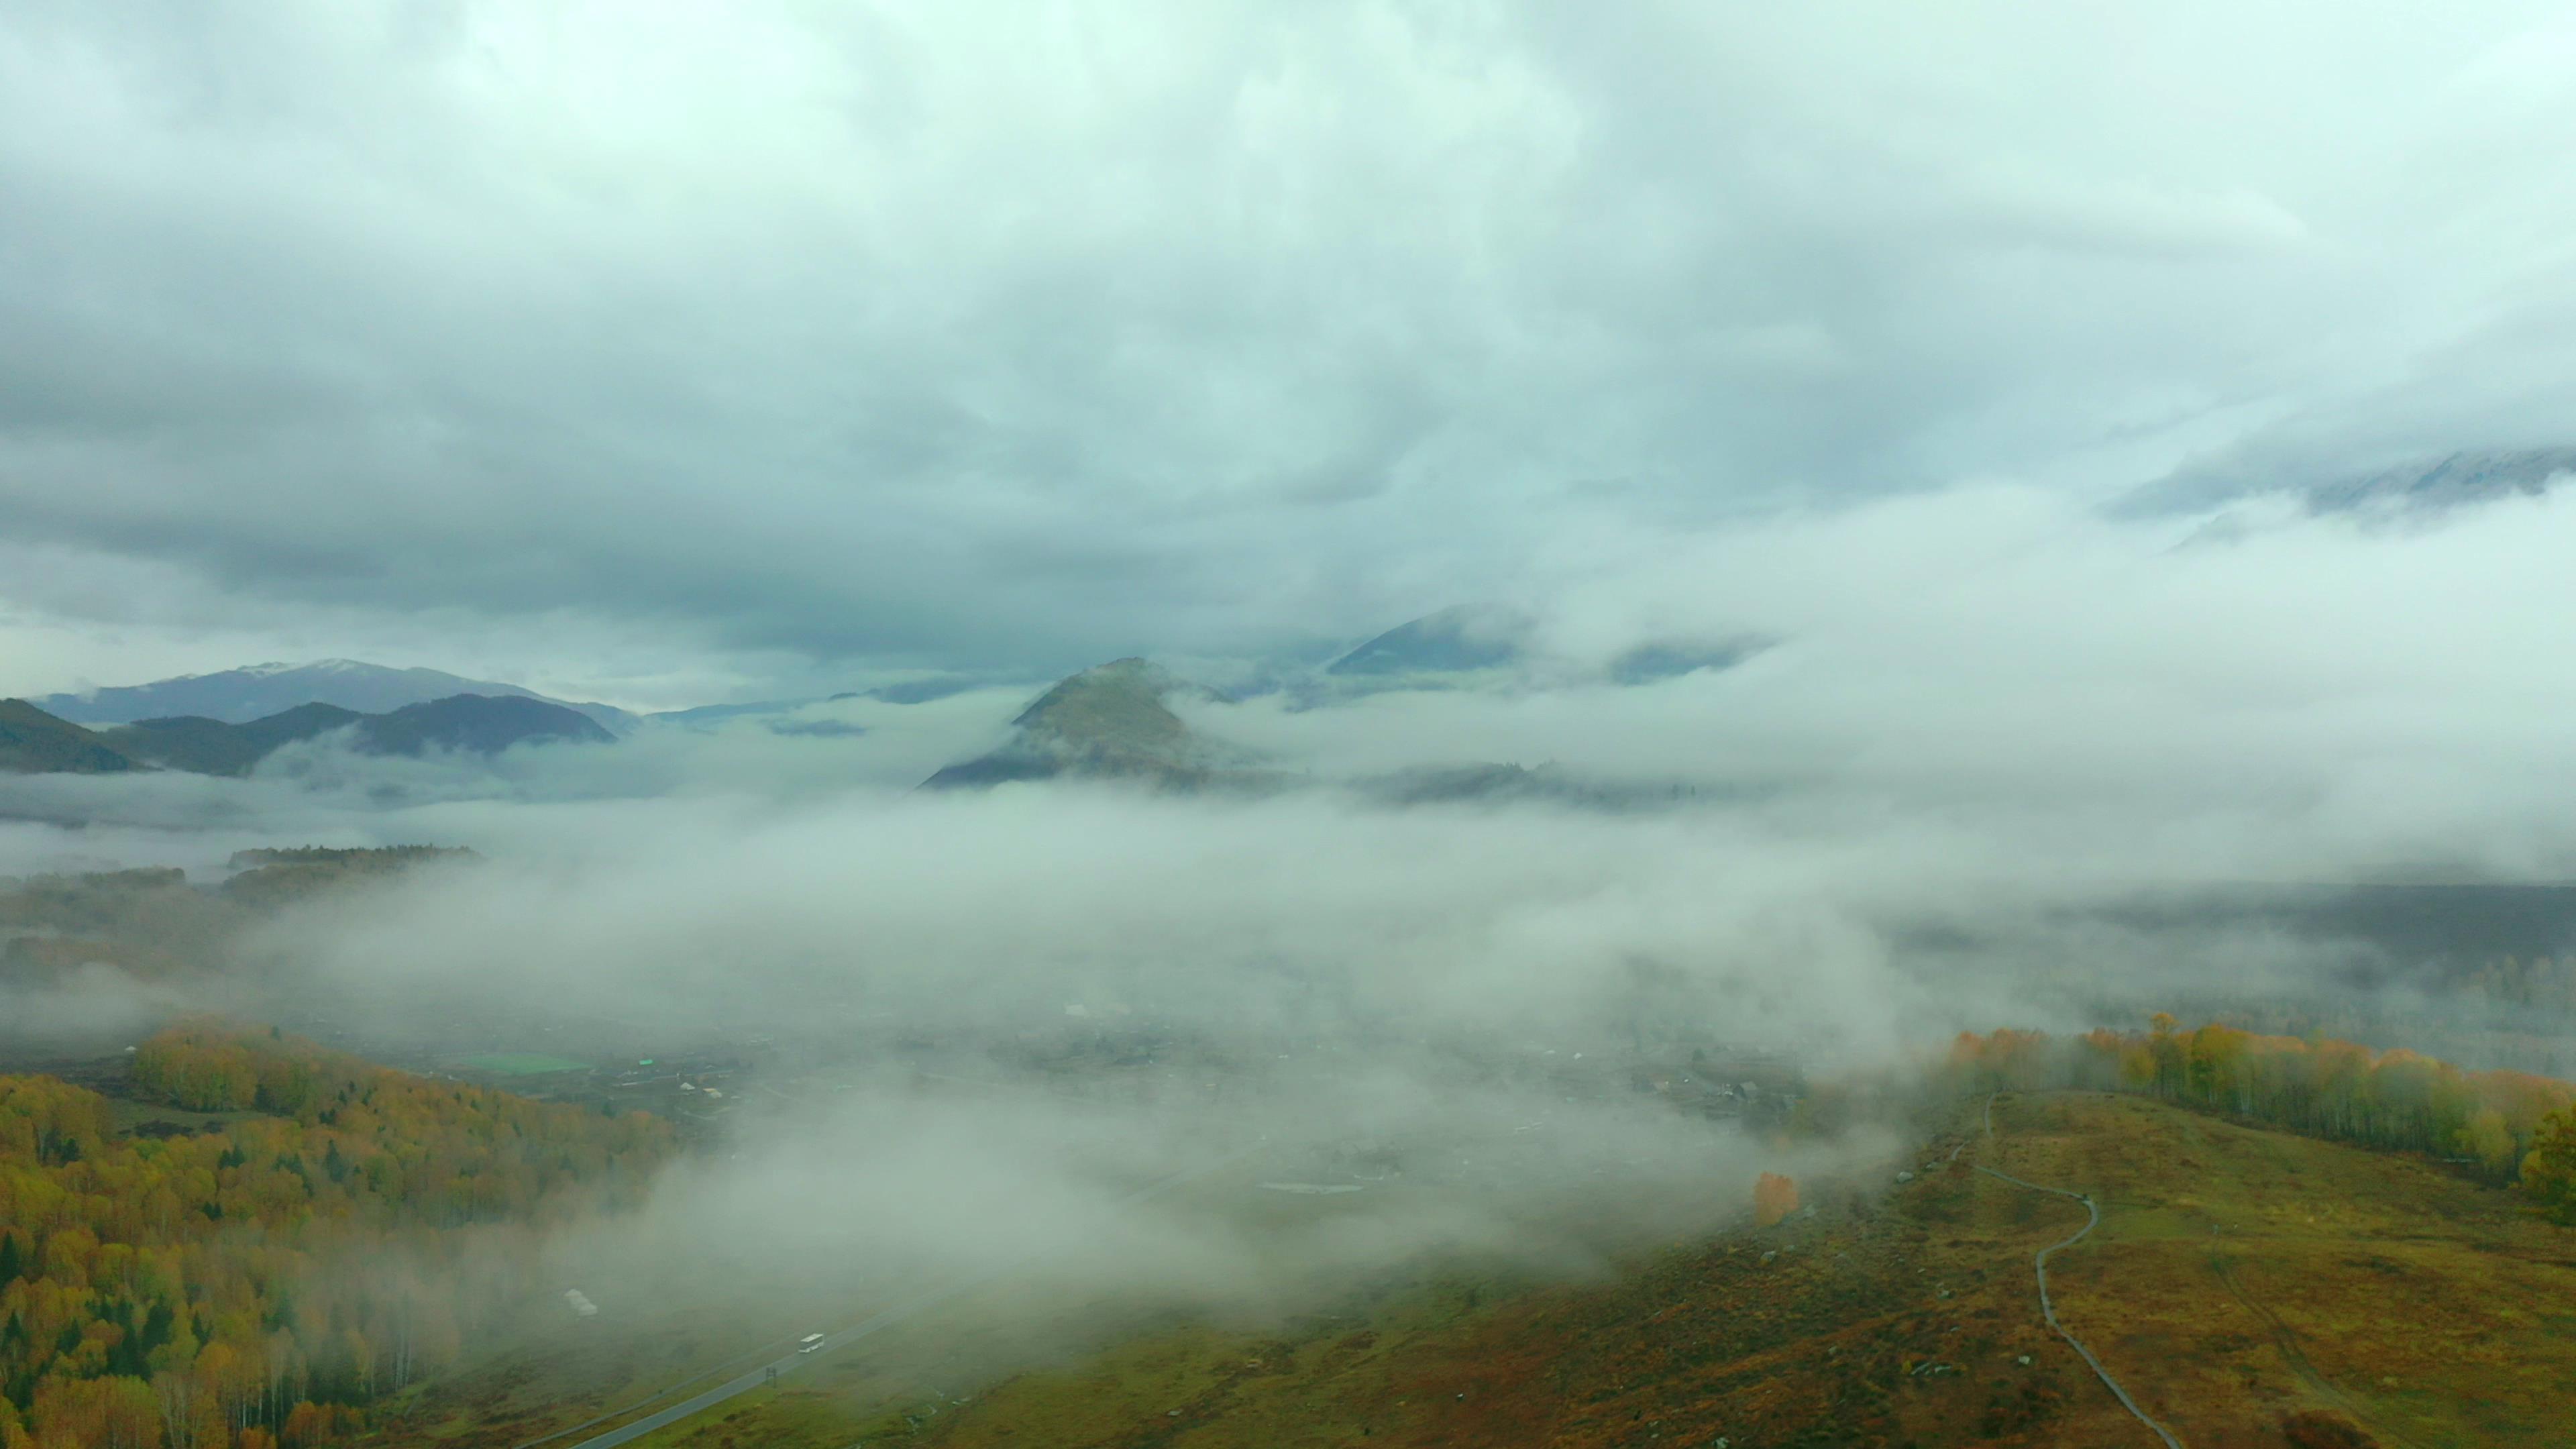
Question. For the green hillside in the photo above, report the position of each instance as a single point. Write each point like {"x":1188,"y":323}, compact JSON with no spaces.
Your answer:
{"x":212,"y":747}
{"x":33,"y":742}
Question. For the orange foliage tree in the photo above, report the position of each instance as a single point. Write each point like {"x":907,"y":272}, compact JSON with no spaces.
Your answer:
{"x":1774,"y":1198}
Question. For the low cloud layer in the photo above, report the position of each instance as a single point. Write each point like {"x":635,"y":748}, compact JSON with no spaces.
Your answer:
{"x":1994,"y":723}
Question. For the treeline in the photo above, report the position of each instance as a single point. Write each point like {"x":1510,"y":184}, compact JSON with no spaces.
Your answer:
{"x":2539,"y":984}
{"x":261,"y":1284}
{"x":273,"y":878}
{"x":2512,"y":1126}
{"x":381,"y":857}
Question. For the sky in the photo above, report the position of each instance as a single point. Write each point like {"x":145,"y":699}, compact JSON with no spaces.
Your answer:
{"x":665,"y":354}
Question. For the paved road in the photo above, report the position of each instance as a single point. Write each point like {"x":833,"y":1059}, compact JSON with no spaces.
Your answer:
{"x":886,"y":1318}
{"x":2048,"y":1310}
{"x":783,"y":1366}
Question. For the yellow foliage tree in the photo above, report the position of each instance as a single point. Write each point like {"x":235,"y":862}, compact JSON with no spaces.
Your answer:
{"x":2549,"y":1172}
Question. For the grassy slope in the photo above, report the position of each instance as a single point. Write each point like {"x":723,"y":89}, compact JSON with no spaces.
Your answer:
{"x":2239,"y":1275}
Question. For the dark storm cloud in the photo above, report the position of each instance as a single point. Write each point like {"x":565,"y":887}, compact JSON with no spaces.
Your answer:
{"x":912,"y":333}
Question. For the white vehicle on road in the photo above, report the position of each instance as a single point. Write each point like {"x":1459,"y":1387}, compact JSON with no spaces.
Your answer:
{"x":809,"y":1343}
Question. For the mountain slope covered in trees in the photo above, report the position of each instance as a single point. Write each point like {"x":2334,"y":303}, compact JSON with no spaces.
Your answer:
{"x":266,"y":1280}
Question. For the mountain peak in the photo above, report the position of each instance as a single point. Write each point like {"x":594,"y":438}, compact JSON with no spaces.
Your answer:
{"x":1111,"y":721}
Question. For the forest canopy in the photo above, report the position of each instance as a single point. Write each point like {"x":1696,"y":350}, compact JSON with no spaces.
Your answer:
{"x":262,"y":1281}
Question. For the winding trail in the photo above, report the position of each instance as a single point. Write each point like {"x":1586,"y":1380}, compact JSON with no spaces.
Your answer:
{"x":2048,"y":1310}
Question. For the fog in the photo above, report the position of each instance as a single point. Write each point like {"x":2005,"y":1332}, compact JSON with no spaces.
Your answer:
{"x":1056,"y":1036}
{"x":1969,"y":372}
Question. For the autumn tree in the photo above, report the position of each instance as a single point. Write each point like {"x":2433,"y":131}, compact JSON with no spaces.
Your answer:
{"x":1774,"y":1198}
{"x":2393,"y":1099}
{"x":236,"y":1288}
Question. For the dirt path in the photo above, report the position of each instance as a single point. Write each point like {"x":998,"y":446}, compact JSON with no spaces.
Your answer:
{"x":2048,"y":1310}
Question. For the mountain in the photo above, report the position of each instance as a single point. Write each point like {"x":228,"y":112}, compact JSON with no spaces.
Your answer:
{"x":477,"y":724}
{"x":775,"y":715}
{"x":33,"y":742}
{"x":1110,"y":722}
{"x":2451,"y":480}
{"x":205,"y":746}
{"x":1670,"y":659}
{"x":1452,"y":641}
{"x":260,"y":691}
{"x":465,"y":723}
{"x":1471,"y":645}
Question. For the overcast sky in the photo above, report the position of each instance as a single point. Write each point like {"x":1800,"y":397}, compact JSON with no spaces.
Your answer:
{"x":655,"y":355}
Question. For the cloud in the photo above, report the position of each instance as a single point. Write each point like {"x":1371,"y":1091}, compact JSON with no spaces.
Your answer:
{"x":883,"y":335}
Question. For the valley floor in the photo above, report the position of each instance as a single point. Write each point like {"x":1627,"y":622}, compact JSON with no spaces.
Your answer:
{"x":2239,"y":1276}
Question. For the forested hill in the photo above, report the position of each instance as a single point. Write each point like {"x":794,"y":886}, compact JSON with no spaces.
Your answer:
{"x":33,"y":742}
{"x":269,"y":1278}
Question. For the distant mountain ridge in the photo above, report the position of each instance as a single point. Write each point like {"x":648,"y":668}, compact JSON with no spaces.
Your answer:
{"x":1477,"y":645}
{"x":2430,"y":482}
{"x":260,"y":691}
{"x":33,"y":741}
{"x":777,"y":715}
{"x":2459,"y":478}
